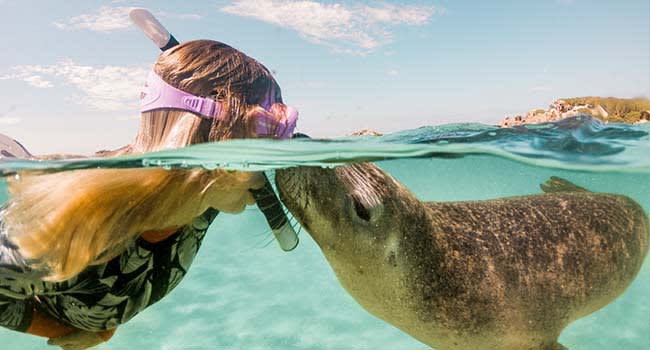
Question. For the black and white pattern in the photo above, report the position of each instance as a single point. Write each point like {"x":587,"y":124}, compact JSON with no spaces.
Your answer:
{"x":103,"y":296}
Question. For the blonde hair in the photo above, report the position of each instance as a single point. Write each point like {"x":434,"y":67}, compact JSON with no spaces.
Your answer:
{"x":64,"y":222}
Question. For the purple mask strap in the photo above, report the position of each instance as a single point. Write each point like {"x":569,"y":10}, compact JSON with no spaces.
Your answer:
{"x":157,"y":94}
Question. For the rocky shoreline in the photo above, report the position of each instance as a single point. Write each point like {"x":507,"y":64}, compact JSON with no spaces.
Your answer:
{"x":606,"y":109}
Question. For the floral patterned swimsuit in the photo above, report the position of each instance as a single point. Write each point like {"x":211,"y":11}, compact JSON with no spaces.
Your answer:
{"x":102,"y":296}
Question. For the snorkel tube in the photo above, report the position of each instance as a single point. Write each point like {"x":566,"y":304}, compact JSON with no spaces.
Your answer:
{"x":266,"y":199}
{"x":150,"y":26}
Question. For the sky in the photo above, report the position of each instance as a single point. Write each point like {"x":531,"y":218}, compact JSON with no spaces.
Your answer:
{"x":71,"y":71}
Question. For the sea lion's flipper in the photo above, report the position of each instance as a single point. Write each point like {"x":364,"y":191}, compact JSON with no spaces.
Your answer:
{"x":558,"y":184}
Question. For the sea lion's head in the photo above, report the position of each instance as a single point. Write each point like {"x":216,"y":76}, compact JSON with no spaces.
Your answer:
{"x":354,"y":212}
{"x":366,"y":224}
{"x":332,"y":203}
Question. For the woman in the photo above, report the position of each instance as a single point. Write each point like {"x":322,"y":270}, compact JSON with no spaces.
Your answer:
{"x":84,"y":251}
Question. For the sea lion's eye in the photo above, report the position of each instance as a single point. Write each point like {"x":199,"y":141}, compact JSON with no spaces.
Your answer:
{"x":361,"y":211}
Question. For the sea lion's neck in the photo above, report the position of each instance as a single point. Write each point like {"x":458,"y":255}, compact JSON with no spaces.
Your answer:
{"x":365,"y":279}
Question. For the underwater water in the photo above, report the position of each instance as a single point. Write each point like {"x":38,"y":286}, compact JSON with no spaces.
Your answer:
{"x":244,"y":292}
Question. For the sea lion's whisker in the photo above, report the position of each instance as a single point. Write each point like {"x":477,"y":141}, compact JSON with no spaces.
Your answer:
{"x":265,"y":196}
{"x":259,"y":243}
{"x":264,"y":233}
{"x":268,"y":243}
{"x":273,"y":219}
{"x":272,"y":205}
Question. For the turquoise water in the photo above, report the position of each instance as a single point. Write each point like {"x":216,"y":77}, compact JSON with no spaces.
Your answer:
{"x":244,"y":293}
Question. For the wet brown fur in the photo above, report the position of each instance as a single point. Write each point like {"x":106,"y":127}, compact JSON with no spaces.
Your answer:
{"x":502,"y":274}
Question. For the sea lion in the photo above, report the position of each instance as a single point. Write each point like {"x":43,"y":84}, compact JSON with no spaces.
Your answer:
{"x":502,"y":274}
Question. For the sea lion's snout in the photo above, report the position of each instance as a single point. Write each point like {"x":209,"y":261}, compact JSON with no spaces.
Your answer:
{"x":298,"y":187}
{"x":295,"y":185}
{"x":357,"y":184}
{"x":334,"y":197}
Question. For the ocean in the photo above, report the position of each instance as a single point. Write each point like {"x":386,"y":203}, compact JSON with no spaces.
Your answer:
{"x":244,"y":292}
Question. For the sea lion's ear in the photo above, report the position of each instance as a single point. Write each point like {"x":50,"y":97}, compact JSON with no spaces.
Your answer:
{"x":362,"y":212}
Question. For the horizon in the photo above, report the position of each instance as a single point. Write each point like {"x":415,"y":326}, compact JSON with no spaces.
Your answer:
{"x":72,"y":71}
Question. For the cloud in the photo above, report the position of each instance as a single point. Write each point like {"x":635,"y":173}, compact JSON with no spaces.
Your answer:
{"x":345,"y":28}
{"x":9,"y":120}
{"x":107,"y":88}
{"x":393,"y":72}
{"x":31,"y":79}
{"x":37,"y":81}
{"x":109,"y":19}
{"x":106,"y":19}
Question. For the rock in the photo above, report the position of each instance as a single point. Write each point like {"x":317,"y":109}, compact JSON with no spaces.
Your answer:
{"x":621,"y":110}
{"x":645,"y":117}
{"x":366,"y":132}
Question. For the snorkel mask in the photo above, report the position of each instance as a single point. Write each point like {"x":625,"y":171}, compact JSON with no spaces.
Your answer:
{"x":279,"y":122}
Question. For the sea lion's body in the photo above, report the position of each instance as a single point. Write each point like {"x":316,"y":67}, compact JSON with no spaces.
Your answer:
{"x":502,"y":274}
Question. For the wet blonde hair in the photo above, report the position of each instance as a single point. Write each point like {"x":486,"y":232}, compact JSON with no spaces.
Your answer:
{"x":66,"y":221}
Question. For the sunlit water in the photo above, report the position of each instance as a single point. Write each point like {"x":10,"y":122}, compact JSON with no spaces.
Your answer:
{"x":244,"y":293}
